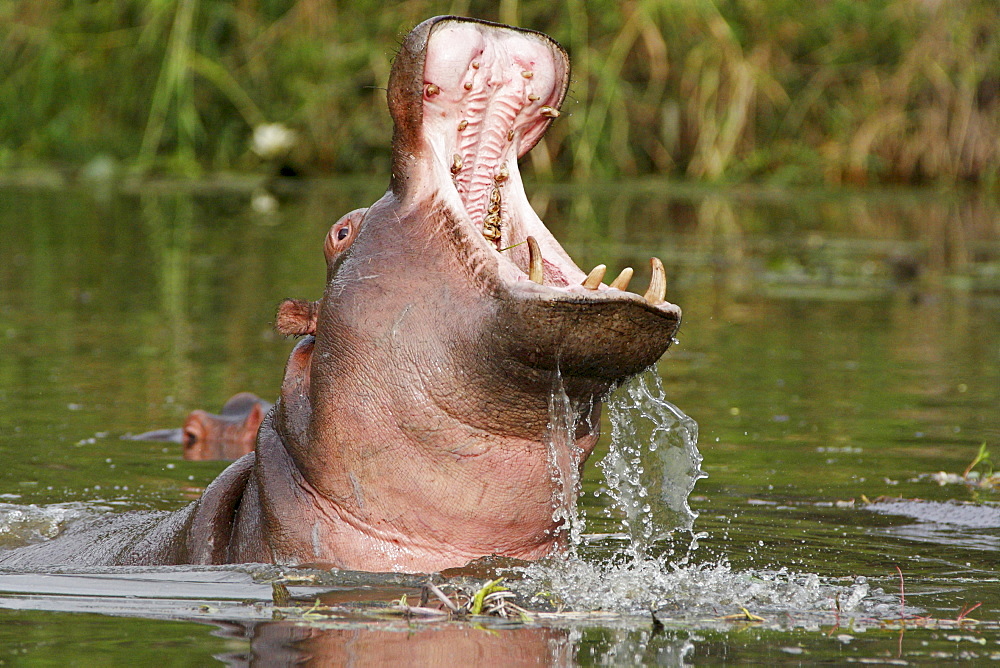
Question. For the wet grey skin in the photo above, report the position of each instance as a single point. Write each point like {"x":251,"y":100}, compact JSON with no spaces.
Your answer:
{"x":412,"y":428}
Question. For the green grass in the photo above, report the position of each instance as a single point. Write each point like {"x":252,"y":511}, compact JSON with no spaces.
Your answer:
{"x":837,"y":91}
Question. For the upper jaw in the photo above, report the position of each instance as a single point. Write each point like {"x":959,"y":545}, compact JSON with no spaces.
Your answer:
{"x":486,"y":95}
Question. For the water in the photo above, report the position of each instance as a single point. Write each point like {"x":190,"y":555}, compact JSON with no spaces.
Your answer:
{"x":564,"y":458}
{"x":650,"y":467}
{"x":652,"y":463}
{"x":835,"y":349}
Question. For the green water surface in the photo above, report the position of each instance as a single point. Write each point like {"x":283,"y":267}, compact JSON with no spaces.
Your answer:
{"x":834,"y":349}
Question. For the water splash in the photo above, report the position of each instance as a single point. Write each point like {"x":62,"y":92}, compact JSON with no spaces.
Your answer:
{"x":651,"y":468}
{"x":564,"y":456}
{"x":652,"y":464}
{"x":24,"y":524}
{"x":692,"y":591}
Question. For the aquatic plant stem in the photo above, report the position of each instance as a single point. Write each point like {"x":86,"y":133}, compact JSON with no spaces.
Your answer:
{"x":963,"y":614}
{"x":174,"y":84}
{"x":223,"y":80}
{"x":902,"y":595}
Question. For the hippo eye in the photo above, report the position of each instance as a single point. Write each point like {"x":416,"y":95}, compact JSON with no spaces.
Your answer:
{"x":189,"y":438}
{"x":342,"y":233}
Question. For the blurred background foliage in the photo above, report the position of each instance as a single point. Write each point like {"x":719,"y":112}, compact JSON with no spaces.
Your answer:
{"x":779,"y":91}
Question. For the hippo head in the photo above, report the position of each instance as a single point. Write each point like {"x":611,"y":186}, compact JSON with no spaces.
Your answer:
{"x":229,"y":435}
{"x":420,"y":416}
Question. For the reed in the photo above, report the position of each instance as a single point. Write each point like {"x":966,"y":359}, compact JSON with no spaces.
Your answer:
{"x":834,"y":92}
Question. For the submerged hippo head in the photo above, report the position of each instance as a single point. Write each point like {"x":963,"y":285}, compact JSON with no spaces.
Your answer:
{"x":228,"y":435}
{"x":418,"y":417}
{"x":207,"y":436}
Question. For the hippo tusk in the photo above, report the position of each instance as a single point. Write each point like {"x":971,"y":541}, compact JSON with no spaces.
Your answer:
{"x":595,"y":277}
{"x":534,"y":261}
{"x":621,"y":283}
{"x":657,"y":292}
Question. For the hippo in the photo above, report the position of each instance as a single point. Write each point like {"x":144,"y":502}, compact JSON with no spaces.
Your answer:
{"x":207,"y":436}
{"x":454,"y":366}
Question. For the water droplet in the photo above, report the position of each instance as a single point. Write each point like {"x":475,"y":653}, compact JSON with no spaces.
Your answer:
{"x":652,"y":464}
{"x":564,"y":456}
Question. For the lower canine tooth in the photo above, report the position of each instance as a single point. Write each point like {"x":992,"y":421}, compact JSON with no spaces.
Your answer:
{"x":621,"y":283}
{"x":534,"y":261}
{"x":657,"y":292}
{"x":595,"y":277}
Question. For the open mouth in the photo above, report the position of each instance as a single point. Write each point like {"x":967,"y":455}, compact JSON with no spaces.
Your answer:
{"x":489,"y":93}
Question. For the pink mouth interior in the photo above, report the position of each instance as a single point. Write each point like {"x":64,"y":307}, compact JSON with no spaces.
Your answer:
{"x":489,"y":94}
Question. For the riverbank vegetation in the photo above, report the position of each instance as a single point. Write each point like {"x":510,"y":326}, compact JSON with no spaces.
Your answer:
{"x":887,"y":91}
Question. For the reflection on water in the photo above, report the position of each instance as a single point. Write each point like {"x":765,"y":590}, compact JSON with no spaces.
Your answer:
{"x":834,"y":348}
{"x":966,"y":525}
{"x":974,"y":516}
{"x":292,"y":644}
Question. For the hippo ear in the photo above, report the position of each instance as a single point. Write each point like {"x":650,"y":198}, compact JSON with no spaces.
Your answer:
{"x":248,"y":434}
{"x":254,"y":417}
{"x":194,"y":436}
{"x":296,"y":317}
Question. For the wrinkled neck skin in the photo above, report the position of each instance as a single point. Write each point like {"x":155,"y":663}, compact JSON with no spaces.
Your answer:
{"x":424,"y":444}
